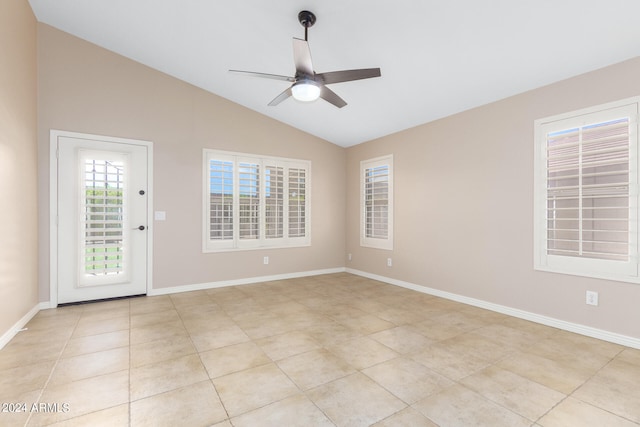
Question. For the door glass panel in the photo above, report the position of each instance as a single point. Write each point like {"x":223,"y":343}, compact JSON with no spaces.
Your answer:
{"x":103,"y":225}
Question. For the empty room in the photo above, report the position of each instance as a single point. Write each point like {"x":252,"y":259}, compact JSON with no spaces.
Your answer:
{"x":230,"y":214}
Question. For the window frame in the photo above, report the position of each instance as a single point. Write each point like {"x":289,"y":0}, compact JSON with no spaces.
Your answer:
{"x":626,"y":271}
{"x":236,"y":243}
{"x":375,"y":242}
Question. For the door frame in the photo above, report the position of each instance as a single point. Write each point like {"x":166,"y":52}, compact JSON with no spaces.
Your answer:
{"x":53,"y":203}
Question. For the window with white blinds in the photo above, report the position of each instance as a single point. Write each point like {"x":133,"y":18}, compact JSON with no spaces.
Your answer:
{"x":586,"y":192}
{"x":254,"y":202}
{"x":376,"y":184}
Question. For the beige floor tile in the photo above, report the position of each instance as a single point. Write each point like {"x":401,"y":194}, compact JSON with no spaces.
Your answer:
{"x":331,"y":333}
{"x":465,"y":321}
{"x":150,"y":304}
{"x":199,"y":323}
{"x":233,"y":358}
{"x":363,"y":352}
{"x":156,"y":378}
{"x":449,"y":362}
{"x":90,"y":365}
{"x":291,"y":412}
{"x":564,"y":345}
{"x":459,"y":406}
{"x":408,"y":417}
{"x":288,"y":344}
{"x":437,"y":331}
{"x":400,"y":315}
{"x":542,"y":331}
{"x":630,"y":355}
{"x":16,"y":354}
{"x":189,"y":298}
{"x":341,"y":401}
{"x":105,"y":311}
{"x":562,"y":376}
{"x":62,"y":320}
{"x":480,"y":346}
{"x":406,"y":379}
{"x":118,"y":416}
{"x":402,"y":339}
{"x":93,"y":343}
{"x":522,"y":396}
{"x":457,"y":365}
{"x":254,"y":388}
{"x":154,"y":318}
{"x":194,"y":405}
{"x":93,"y":326}
{"x":315,"y":368}
{"x":219,"y":337}
{"x":573,"y":412}
{"x":160,"y":350}
{"x":366,"y":324}
{"x":509,"y":337}
{"x":616,"y":388}
{"x":205,"y":310}
{"x":83,"y":397}
{"x":156,"y":332}
{"x":94,"y":313}
{"x":22,"y":379}
{"x":267,"y":326}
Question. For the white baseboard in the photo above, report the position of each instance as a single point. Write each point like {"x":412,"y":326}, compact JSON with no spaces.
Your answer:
{"x":13,"y":331}
{"x":526,"y":315}
{"x":237,"y":282}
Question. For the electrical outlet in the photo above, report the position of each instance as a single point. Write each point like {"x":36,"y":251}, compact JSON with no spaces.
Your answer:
{"x":349,"y":257}
{"x":389,"y":262}
{"x":265,"y":260}
{"x":592,"y":298}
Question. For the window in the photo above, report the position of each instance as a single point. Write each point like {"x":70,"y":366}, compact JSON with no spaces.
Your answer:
{"x":255,"y":202}
{"x":376,"y":189}
{"x":586,"y":192}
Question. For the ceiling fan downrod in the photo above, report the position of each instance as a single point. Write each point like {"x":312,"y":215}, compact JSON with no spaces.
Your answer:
{"x":306,"y":19}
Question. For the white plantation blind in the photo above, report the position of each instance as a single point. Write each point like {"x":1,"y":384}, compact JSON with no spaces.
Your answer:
{"x":376,"y":201}
{"x":104,"y":239}
{"x":377,"y":206}
{"x":297,"y":202}
{"x":220,"y":200}
{"x":274,"y":202}
{"x":587,"y":192}
{"x":248,"y":201}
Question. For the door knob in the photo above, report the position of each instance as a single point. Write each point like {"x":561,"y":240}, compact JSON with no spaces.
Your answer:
{"x":141,"y":228}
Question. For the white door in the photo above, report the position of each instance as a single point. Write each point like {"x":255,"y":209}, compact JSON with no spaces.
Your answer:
{"x":102,"y":207}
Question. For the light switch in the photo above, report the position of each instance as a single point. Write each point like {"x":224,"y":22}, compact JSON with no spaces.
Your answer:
{"x":160,"y":215}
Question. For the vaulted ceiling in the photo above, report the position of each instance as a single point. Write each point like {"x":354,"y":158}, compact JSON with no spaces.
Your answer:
{"x":437,"y":57}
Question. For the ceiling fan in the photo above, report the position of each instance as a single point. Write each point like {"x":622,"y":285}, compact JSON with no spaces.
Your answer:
{"x":307,"y":85}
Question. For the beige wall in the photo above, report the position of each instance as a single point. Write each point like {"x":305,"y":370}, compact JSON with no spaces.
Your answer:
{"x":18,"y":121}
{"x":464,"y":206}
{"x":84,"y":88}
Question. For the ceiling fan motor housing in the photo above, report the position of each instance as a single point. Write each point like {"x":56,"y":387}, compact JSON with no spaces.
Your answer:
{"x":306,"y":18}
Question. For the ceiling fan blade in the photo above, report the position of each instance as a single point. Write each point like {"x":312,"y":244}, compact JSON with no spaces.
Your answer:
{"x":302,"y":57}
{"x":331,"y":97}
{"x":348,"y":75}
{"x":264,"y":75}
{"x":278,"y":99}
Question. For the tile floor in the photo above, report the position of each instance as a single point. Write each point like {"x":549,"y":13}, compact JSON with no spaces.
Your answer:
{"x":319,"y":351}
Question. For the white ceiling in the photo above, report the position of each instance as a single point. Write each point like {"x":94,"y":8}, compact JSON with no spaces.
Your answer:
{"x":437,"y":57}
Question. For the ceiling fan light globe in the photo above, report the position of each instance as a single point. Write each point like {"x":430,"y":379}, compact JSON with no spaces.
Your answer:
{"x":305,"y":91}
